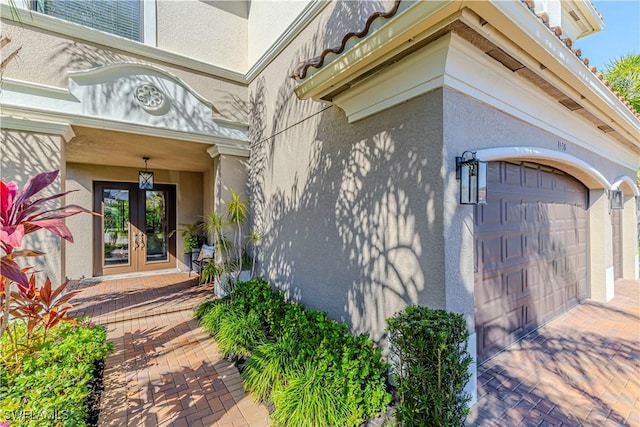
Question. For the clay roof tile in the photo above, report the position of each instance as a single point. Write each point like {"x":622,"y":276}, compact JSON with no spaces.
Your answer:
{"x":300,"y":70}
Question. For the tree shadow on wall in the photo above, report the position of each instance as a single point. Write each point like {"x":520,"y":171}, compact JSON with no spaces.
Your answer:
{"x":347,"y":210}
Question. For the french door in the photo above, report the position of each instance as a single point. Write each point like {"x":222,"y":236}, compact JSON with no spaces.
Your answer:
{"x":133,"y":232}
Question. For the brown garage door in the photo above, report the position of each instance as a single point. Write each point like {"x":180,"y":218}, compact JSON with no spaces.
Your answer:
{"x":531,"y":253}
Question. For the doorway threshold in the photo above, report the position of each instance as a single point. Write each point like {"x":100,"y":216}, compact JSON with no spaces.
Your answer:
{"x":98,"y":279}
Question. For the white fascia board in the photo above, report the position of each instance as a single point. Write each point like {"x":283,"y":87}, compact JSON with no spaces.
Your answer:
{"x":471,"y":72}
{"x":37,"y":126}
{"x":591,"y":15}
{"x":406,"y":28}
{"x":81,"y":32}
{"x":412,"y":76}
{"x":562,"y":65}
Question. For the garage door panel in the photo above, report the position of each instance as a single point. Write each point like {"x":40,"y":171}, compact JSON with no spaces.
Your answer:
{"x":531,"y":252}
{"x":531,"y":178}
{"x":512,"y":248}
{"x":513,"y":211}
{"x":512,"y":175}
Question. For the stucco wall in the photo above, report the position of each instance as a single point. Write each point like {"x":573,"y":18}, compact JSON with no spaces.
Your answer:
{"x":46,"y":58}
{"x":216,"y":34}
{"x":350,"y":212}
{"x":80,"y":177}
{"x":22,"y":155}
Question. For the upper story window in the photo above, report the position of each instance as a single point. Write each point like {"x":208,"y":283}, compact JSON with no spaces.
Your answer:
{"x":120,"y":17}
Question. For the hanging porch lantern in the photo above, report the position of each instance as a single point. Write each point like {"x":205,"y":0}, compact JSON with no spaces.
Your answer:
{"x":615,"y":199}
{"x":145,"y":177}
{"x":472,"y":174}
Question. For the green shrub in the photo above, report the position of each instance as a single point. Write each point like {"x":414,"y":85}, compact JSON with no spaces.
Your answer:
{"x":267,"y":368}
{"x":53,"y":383}
{"x":205,"y":307}
{"x":432,"y":366}
{"x":311,"y":398}
{"x":293,"y":353}
{"x":239,"y":333}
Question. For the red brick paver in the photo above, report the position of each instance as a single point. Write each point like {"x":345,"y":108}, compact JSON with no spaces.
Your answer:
{"x":581,"y":369}
{"x":165,"y":370}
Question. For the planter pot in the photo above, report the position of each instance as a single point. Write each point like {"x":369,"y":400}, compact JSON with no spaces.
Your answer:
{"x":186,"y":258}
{"x":245,"y":276}
{"x":224,"y":282}
{"x":194,"y":256}
{"x":221,"y":285}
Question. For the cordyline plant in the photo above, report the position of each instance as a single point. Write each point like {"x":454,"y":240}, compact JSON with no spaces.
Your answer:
{"x":23,"y":212}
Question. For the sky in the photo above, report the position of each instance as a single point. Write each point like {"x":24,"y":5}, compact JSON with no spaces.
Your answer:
{"x":620,"y":36}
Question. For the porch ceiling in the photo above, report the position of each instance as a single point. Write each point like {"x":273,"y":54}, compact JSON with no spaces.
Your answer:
{"x":110,"y":148}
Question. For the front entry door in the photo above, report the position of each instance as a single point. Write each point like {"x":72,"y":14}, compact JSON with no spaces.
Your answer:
{"x":134,"y":232}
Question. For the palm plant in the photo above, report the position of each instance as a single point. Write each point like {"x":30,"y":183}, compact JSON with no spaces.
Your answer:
{"x":237,"y":215}
{"x":254,"y":238}
{"x":624,"y":75}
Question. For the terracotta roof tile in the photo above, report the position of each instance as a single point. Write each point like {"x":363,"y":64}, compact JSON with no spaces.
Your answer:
{"x":300,"y":71}
{"x":569,"y":43}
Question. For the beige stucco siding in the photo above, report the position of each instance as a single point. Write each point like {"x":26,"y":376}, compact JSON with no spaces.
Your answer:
{"x":216,"y":34}
{"x":46,"y":58}
{"x":80,"y":177}
{"x":350,"y":212}
{"x":23,"y":155}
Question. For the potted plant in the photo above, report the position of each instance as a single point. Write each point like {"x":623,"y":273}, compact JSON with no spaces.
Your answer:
{"x":194,"y":237}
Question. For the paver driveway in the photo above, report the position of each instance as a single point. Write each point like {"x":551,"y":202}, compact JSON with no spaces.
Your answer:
{"x":581,"y":369}
{"x":166,"y":370}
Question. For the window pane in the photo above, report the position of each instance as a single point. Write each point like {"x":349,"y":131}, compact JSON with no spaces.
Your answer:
{"x":156,"y":226}
{"x":116,"y":227}
{"x":120,"y":17}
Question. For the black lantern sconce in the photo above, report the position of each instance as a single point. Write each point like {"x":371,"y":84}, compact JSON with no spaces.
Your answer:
{"x":472,"y":174}
{"x":615,"y":199}
{"x":145,"y":177}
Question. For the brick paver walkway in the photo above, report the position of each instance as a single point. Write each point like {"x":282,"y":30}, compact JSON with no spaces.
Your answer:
{"x":582,"y":369}
{"x":166,"y":370}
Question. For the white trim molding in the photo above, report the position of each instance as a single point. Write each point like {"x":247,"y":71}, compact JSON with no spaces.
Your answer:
{"x":227,"y":149}
{"x":113,"y":97}
{"x":306,"y":16}
{"x":626,"y":180}
{"x":148,"y":48}
{"x":81,"y":32}
{"x":589,"y":175}
{"x":37,"y":126}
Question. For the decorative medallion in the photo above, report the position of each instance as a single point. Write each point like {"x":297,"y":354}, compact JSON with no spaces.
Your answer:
{"x":149,"y":96}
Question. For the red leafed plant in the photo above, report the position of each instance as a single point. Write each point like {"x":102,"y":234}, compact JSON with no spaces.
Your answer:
{"x":23,"y":212}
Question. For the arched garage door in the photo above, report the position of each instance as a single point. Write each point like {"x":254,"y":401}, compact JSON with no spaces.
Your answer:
{"x":531,"y":252}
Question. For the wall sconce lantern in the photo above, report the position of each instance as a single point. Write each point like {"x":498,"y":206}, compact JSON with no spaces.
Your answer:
{"x":637,"y":203}
{"x":145,"y":177}
{"x":615,"y":199}
{"x":472,"y":174}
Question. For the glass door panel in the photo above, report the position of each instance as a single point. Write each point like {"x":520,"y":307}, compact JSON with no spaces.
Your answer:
{"x":156,"y":226}
{"x":133,"y":232}
{"x":115,"y":227}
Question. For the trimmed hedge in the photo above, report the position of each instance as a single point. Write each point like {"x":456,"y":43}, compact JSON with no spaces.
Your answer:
{"x":305,"y":366}
{"x":52,"y":385}
{"x":430,"y":347}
